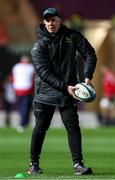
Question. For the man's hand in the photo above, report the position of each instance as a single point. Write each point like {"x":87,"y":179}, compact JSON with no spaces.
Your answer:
{"x":88,"y":81}
{"x":71,"y":90}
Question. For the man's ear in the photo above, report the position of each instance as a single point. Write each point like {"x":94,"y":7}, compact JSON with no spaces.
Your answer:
{"x":60,"y":20}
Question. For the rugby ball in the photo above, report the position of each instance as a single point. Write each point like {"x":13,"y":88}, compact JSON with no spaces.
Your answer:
{"x":85,"y":93}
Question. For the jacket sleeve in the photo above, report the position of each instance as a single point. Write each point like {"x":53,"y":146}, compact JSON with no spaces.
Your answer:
{"x":43,"y":68}
{"x":88,"y":53}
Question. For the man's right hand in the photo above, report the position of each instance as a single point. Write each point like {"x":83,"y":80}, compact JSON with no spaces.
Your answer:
{"x":71,"y":90}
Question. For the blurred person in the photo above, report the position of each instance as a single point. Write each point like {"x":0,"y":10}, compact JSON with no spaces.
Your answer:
{"x":77,"y":22}
{"x":54,"y":61}
{"x":22,"y":77}
{"x":9,"y":99}
{"x":107,"y":102}
{"x":1,"y":94}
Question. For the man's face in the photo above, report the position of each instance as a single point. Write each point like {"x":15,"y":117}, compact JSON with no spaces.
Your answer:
{"x":52,"y":24}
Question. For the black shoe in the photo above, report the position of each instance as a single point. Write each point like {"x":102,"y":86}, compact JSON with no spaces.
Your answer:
{"x":80,"y":169}
{"x":34,"y":169}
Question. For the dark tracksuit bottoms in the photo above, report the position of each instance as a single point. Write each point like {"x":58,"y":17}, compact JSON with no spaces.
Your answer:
{"x":43,"y":115}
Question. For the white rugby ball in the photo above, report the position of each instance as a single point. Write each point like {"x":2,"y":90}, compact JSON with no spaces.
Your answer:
{"x":85,"y":93}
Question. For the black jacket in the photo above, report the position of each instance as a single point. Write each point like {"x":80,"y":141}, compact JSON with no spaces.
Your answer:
{"x":54,"y":60}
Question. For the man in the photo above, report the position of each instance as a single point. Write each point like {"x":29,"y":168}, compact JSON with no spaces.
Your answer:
{"x":22,"y":78}
{"x":55,"y":67}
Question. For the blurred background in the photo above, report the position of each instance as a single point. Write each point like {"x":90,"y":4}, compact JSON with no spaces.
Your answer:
{"x":18,"y":32}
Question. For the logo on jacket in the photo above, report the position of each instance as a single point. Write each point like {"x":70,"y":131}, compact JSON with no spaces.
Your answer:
{"x":68,"y":40}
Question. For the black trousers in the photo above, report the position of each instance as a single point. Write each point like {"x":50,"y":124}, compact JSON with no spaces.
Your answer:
{"x":43,"y":115}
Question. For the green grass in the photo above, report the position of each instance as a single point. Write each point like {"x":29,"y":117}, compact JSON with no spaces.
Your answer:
{"x":98,"y":150}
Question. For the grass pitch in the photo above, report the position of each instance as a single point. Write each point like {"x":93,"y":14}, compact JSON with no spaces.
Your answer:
{"x":98,"y":150}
